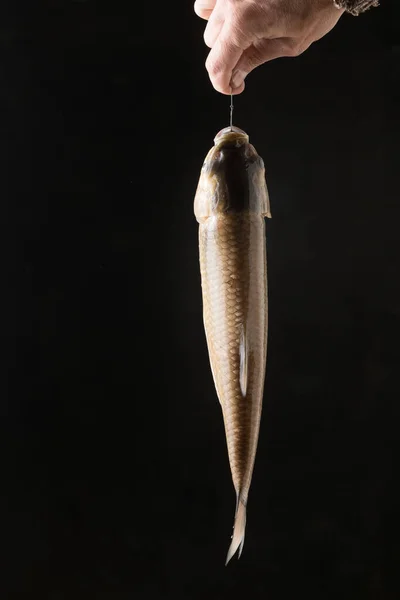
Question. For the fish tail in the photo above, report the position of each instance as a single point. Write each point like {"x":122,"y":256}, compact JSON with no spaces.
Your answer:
{"x":238,"y":530}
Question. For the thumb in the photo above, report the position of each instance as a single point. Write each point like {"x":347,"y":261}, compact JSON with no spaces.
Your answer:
{"x":257,"y":54}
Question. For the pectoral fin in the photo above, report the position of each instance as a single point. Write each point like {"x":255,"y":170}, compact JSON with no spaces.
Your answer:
{"x":244,"y":361}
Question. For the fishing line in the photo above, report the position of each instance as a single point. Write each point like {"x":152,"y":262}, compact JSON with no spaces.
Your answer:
{"x":231,"y":112}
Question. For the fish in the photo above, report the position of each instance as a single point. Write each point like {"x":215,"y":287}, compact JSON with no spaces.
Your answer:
{"x":230,"y":205}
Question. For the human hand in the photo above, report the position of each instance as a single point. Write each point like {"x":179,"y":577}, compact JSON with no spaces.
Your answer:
{"x":244,"y":34}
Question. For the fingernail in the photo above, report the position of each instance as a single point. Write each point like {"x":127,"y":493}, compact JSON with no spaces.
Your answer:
{"x":238,"y":78}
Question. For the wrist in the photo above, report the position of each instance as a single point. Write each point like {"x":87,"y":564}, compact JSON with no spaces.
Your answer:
{"x":355,"y":7}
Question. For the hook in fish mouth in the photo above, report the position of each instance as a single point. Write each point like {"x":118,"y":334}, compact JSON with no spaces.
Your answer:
{"x":236,"y":131}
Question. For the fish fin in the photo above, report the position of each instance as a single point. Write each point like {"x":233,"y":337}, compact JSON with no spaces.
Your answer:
{"x":261,"y":184}
{"x":244,"y":361}
{"x":238,"y":531}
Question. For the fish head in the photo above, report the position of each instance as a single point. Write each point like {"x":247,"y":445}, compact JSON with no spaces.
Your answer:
{"x":232,"y":178}
{"x":231,"y":134}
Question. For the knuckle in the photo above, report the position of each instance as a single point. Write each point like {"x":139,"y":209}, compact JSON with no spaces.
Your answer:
{"x":207,"y":39}
{"x":241,"y":11}
{"x":235,"y":35}
{"x":295,"y":51}
{"x":254,"y":57}
{"x":239,"y":25}
{"x":257,"y":54}
{"x":294,"y":48}
{"x":214,"y":66}
{"x":216,"y":60}
{"x":257,"y":19}
{"x":212,"y":31}
{"x":299,"y":50}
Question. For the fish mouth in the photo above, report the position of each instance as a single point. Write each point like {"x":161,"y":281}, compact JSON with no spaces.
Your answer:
{"x":231,"y":133}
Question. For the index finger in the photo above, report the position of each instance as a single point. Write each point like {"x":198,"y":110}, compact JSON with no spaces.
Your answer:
{"x":223,"y":58}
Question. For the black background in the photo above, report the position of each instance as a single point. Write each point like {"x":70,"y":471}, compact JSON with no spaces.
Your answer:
{"x":114,"y":475}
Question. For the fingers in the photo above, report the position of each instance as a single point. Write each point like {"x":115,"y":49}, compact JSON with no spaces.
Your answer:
{"x":213,"y":28}
{"x":223,"y":57}
{"x":204,"y":8}
{"x":259,"y":53}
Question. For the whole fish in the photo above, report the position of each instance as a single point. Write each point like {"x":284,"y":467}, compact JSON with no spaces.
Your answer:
{"x":230,"y":206}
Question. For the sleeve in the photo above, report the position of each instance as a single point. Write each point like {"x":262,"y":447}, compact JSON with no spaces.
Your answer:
{"x":355,"y":7}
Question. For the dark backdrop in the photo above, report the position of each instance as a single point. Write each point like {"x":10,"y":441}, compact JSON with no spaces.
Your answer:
{"x":114,"y":475}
